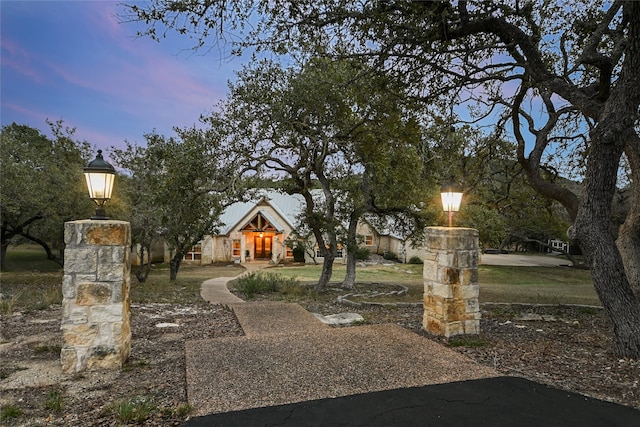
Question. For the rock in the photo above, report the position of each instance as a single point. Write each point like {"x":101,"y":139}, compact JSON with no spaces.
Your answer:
{"x":167,"y":325}
{"x":340,"y":318}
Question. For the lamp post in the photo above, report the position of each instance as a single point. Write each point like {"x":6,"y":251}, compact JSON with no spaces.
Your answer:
{"x":100,"y":176}
{"x":451,"y":194}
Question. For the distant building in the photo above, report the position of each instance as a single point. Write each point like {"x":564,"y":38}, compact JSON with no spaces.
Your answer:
{"x":260,"y":230}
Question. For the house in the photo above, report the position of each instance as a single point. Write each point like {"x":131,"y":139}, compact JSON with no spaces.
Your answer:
{"x":260,"y":230}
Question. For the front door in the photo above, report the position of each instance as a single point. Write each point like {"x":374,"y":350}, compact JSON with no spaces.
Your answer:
{"x":262,"y":247}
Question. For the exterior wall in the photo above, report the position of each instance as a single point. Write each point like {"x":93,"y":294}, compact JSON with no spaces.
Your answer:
{"x":410,"y":252}
{"x":157,"y":252}
{"x":222,"y":246}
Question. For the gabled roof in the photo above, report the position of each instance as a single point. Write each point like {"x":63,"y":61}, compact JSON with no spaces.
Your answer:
{"x":288,"y":206}
{"x":262,"y":221}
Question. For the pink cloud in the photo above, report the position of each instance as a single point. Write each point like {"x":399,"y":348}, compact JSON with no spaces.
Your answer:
{"x":137,"y":73}
{"x":14,"y":56}
{"x":37,"y":116}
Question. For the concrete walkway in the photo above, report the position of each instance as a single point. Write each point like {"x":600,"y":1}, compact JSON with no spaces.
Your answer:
{"x":289,"y":369}
{"x":215,"y":291}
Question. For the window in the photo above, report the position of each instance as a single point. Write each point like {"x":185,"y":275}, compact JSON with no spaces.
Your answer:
{"x":236,"y":248}
{"x":339,"y":252}
{"x":289,"y":252}
{"x":368,"y":240}
{"x":194,"y":254}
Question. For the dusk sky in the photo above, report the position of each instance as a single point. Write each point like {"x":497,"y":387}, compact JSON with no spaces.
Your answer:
{"x":73,"y":60}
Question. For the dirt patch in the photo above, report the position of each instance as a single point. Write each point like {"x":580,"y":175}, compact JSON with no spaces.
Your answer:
{"x":566,"y":347}
{"x":31,"y":378}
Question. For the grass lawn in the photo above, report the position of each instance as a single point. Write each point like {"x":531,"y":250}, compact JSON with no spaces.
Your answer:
{"x":539,"y":285}
{"x":33,"y":282}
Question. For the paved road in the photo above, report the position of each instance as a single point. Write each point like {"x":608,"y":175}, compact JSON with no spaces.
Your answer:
{"x":521,"y":260}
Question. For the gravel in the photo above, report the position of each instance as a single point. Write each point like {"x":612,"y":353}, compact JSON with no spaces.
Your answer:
{"x":570,"y":350}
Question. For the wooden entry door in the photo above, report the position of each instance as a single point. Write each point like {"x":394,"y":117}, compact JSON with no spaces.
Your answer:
{"x":262,"y":247}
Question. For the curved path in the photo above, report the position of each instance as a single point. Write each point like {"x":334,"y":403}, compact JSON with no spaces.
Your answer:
{"x":215,"y":291}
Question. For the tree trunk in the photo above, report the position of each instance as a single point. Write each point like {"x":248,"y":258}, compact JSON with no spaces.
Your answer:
{"x":592,"y":229}
{"x":3,"y":255}
{"x":142,"y":272}
{"x":613,"y":133}
{"x":327,"y":272}
{"x":629,"y":233}
{"x":611,"y":284}
{"x":174,"y":266}
{"x":352,"y":246}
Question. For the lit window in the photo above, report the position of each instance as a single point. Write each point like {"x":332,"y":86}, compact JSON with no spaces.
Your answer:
{"x":194,"y":254}
{"x":289,"y":252}
{"x":236,"y":248}
{"x":368,"y":240}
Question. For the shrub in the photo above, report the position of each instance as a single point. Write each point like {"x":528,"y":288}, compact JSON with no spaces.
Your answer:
{"x":298,"y":253}
{"x":262,"y":283}
{"x":415,"y":260}
{"x":362,"y":254}
{"x":391,"y":256}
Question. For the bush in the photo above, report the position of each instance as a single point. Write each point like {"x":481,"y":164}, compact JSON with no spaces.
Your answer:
{"x":390,"y":256}
{"x":298,"y":253}
{"x":362,"y":254}
{"x":415,"y":260}
{"x":262,"y":283}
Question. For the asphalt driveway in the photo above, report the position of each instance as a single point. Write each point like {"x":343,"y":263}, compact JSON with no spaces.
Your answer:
{"x":522,"y":260}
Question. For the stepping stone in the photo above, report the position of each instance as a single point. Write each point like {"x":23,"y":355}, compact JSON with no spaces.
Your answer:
{"x":340,"y":318}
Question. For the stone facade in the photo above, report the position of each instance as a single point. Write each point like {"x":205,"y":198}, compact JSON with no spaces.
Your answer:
{"x":451,"y":281}
{"x":95,"y":287}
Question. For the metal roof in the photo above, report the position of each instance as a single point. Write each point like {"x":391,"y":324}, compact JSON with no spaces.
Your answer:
{"x":288,"y":206}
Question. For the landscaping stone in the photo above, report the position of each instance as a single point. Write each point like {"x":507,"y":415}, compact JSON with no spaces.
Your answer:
{"x":340,"y":318}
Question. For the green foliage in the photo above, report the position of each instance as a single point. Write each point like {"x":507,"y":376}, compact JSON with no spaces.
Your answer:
{"x":298,"y":252}
{"x":9,"y":411}
{"x":184,"y":410}
{"x":32,"y":282}
{"x":326,"y":125}
{"x":257,"y":283}
{"x":41,"y":184}
{"x":467,"y":342}
{"x":136,"y":410}
{"x":362,"y":253}
{"x":489,"y":223}
{"x":415,"y":260}
{"x":177,"y":189}
{"x":389,"y":255}
{"x":54,"y":401}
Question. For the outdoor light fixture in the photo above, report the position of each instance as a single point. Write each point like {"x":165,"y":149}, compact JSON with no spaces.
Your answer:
{"x":99,"y":175}
{"x":451,"y":194}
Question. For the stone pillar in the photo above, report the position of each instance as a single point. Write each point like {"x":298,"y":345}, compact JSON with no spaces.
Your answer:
{"x":95,"y":289}
{"x":451,"y":281}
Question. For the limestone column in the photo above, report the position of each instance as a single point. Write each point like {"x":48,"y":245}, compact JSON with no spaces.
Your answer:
{"x":95,"y":288}
{"x":451,"y":281}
